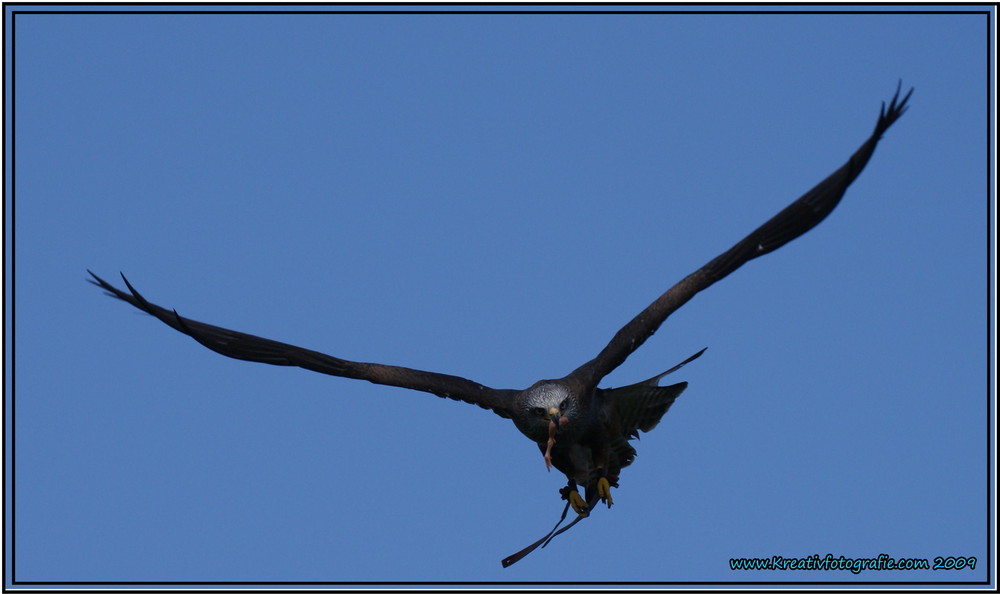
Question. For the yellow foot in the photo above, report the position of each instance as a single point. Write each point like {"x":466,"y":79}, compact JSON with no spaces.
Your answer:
{"x":604,"y":491}
{"x":579,"y":505}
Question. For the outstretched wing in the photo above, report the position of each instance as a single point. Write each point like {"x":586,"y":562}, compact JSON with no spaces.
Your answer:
{"x":248,"y":347}
{"x":642,"y":405}
{"x":797,"y":218}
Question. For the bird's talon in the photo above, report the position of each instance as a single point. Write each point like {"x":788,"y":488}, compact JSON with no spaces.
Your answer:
{"x":604,"y":490}
{"x":579,"y":505}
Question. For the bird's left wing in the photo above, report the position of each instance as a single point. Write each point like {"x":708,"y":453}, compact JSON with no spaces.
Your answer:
{"x":797,"y":218}
{"x":248,"y":347}
{"x":642,"y":405}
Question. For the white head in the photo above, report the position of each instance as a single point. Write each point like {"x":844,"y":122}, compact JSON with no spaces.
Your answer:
{"x":543,"y":404}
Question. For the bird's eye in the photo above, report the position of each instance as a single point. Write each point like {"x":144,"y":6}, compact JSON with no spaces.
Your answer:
{"x":538,"y":411}
{"x":562,"y":405}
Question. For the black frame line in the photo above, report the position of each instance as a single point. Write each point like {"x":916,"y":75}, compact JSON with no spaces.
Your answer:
{"x":81,"y":9}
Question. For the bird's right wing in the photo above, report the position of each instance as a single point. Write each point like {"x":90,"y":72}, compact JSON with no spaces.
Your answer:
{"x":248,"y":347}
{"x":797,"y":218}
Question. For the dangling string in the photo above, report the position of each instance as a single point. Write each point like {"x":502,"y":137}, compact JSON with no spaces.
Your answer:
{"x":507,"y":562}
{"x":590,"y":505}
{"x":543,"y":541}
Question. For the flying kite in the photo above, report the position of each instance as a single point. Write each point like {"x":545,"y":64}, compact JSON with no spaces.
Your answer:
{"x":581,"y":429}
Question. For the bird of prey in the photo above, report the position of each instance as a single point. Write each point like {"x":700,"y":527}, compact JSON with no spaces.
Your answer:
{"x":581,"y":429}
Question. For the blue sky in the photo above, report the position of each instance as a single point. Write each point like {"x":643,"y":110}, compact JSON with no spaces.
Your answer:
{"x":491,"y":196}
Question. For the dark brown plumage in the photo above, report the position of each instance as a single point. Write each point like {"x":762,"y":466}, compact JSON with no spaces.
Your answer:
{"x":581,"y":429}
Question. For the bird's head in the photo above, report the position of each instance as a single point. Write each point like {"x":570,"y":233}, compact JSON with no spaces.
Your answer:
{"x":543,"y":410}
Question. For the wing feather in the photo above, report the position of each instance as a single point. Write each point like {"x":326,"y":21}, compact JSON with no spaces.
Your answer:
{"x":248,"y":347}
{"x":797,"y":218}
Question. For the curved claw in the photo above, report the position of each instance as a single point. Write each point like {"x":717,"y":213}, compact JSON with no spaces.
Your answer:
{"x":604,"y":491}
{"x":570,"y":494}
{"x":579,"y":505}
